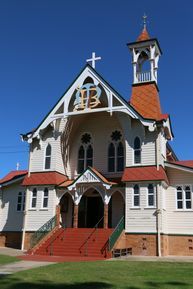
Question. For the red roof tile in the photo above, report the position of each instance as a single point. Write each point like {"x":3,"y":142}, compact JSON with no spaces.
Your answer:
{"x":13,"y":175}
{"x":103,"y":179}
{"x":145,"y":99}
{"x":144,"y":35}
{"x":146,"y":173}
{"x":44,"y":178}
{"x":188,"y":163}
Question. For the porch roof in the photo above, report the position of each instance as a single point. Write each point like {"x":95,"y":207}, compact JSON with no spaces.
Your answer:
{"x":44,"y":178}
{"x":145,"y":173}
{"x":90,"y":175}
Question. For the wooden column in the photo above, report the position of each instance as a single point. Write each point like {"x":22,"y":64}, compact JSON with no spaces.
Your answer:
{"x":75,"y":222}
{"x":57,"y":215}
{"x":106,"y":209}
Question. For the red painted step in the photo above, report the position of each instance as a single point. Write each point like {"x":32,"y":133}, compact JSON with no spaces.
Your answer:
{"x":79,"y":242}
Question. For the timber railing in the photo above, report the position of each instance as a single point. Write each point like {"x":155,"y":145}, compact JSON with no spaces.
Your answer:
{"x":116,"y":233}
{"x":84,"y":246}
{"x":43,"y":231}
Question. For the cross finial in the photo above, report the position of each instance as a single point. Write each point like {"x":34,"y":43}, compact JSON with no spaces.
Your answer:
{"x":17,"y":166}
{"x":144,"y":21}
{"x":93,"y":59}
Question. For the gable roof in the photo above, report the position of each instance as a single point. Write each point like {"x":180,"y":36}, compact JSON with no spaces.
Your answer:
{"x":85,"y":72}
{"x":13,"y":176}
{"x":44,"y":178}
{"x":145,"y":173}
{"x":91,"y":175}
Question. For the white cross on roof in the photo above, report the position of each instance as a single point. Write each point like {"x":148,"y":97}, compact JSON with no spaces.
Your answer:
{"x":93,"y":59}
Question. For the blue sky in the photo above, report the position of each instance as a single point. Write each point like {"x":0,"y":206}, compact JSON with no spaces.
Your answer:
{"x":45,"y":43}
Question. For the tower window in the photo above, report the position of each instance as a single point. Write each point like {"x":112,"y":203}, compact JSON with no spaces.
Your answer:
{"x":137,"y":150}
{"x":48,"y":157}
{"x":85,"y":153}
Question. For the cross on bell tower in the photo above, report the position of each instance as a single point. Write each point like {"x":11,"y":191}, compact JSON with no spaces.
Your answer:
{"x":145,"y":56}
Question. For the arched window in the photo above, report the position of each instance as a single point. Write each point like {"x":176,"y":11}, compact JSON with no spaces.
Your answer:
{"x":120,"y":157}
{"x":89,"y":156}
{"x":34,"y":198}
{"x":137,"y":150}
{"x":111,"y":158}
{"x":48,"y":157}
{"x":116,"y":153}
{"x":81,"y":157}
{"x":151,"y":196}
{"x":45,"y":198}
{"x":136,"y":196}
{"x":85,"y":153}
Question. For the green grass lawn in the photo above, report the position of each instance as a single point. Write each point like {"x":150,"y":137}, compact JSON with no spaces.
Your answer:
{"x":103,"y":275}
{"x":4,"y":259}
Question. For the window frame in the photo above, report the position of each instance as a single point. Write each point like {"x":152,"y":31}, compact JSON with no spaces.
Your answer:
{"x":45,"y":198}
{"x":85,"y":147}
{"x":134,"y":195}
{"x":184,"y":199}
{"x":152,"y":194}
{"x":47,"y":157}
{"x":32,"y":197}
{"x":22,"y":203}
{"x":134,"y":150}
{"x":116,"y":156}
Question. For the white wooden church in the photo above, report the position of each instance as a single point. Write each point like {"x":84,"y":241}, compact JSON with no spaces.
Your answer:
{"x":102,"y":177}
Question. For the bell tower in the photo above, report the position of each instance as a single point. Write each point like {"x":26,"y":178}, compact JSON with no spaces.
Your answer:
{"x":145,"y":56}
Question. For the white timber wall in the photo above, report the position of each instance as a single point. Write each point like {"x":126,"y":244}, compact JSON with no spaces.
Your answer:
{"x":38,"y":151}
{"x":36,"y":217}
{"x":142,"y":219}
{"x":10,"y":218}
{"x":178,"y":221}
{"x":133,"y":128}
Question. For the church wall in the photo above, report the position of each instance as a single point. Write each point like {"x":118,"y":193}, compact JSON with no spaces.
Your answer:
{"x":10,"y":218}
{"x":100,"y":126}
{"x":179,"y":221}
{"x":141,"y":219}
{"x":36,"y":217}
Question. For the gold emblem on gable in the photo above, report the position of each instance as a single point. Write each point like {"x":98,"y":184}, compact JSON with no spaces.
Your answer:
{"x":87,"y":96}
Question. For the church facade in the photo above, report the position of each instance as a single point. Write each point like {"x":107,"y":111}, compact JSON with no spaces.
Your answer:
{"x":97,"y":159}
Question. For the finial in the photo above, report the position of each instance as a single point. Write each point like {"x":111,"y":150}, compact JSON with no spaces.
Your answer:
{"x":17,"y":166}
{"x":144,"y":21}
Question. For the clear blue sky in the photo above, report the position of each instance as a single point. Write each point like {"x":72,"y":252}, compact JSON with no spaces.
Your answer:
{"x":44,"y":45}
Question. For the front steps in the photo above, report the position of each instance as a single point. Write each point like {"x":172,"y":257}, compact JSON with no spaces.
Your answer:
{"x":80,"y":242}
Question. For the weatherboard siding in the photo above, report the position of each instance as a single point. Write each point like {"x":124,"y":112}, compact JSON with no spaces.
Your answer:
{"x":179,"y":221}
{"x":36,"y":217}
{"x":10,"y":218}
{"x":142,"y":219}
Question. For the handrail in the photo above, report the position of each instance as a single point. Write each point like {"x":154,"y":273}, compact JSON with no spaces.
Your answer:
{"x":116,"y":233}
{"x":52,"y":241}
{"x":43,"y":231}
{"x":88,"y":238}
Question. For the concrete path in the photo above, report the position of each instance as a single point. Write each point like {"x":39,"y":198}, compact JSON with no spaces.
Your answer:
{"x":20,"y":266}
{"x":11,"y":252}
